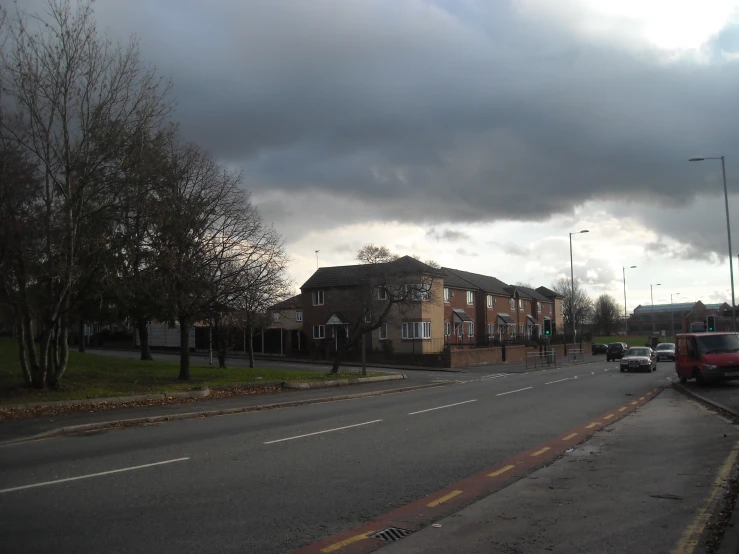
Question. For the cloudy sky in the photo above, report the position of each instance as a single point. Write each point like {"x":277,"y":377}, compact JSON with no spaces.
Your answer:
{"x":475,"y":133}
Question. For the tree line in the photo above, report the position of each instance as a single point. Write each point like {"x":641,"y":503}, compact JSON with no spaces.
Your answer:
{"x":104,"y":206}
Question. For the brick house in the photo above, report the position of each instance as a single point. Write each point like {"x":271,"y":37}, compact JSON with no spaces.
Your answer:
{"x":536,"y":308}
{"x":484,"y":296}
{"x":338,"y":301}
{"x":558,"y":307}
{"x":286,"y":319}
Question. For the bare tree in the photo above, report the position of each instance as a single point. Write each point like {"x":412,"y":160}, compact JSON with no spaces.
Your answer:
{"x":72,"y":99}
{"x":523,"y":284}
{"x":577,"y":308}
{"x":372,"y":254}
{"x":606,"y":314}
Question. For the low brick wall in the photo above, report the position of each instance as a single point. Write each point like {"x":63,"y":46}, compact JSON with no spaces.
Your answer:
{"x":559,"y":350}
{"x":515,"y":354}
{"x":474,"y":356}
{"x":587,"y":347}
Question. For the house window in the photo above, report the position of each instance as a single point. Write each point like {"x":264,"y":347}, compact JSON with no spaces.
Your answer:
{"x":318,"y":298}
{"x":416,"y":330}
{"x":562,"y":309}
{"x":275,"y":317}
{"x":446,"y":295}
{"x":383,"y":331}
{"x":491,"y":300}
{"x":298,"y":316}
{"x":368,"y":317}
{"x":381,"y":293}
{"x":521,"y":304}
{"x":550,"y":309}
{"x":512,"y":304}
{"x":470,"y":297}
{"x":523,"y":330}
{"x":417,"y":292}
{"x":447,"y":329}
{"x":319,"y":332}
{"x":538,"y":307}
{"x":491,"y":329}
{"x":470,"y":329}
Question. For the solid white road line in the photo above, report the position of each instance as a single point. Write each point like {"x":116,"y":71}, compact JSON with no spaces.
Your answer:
{"x":326,"y":431}
{"x":512,"y":391}
{"x":440,"y":407}
{"x":560,"y":380}
{"x":91,"y":475}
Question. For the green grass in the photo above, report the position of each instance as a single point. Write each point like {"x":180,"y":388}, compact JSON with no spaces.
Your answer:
{"x":95,"y":376}
{"x":631,"y":340}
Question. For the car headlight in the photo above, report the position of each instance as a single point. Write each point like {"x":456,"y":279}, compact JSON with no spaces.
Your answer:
{"x":645,"y":362}
{"x":710,"y":367}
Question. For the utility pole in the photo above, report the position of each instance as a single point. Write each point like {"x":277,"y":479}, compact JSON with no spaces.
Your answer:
{"x":317,"y":251}
{"x":626,"y":316}
{"x":652,"y":295}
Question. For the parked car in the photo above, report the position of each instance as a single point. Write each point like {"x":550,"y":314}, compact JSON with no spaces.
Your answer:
{"x":600,"y":349}
{"x":665,"y":351}
{"x":707,"y":357}
{"x":641,"y":358}
{"x":616,"y":350}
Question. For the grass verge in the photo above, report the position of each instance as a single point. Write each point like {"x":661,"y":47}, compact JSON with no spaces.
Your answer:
{"x":95,"y":376}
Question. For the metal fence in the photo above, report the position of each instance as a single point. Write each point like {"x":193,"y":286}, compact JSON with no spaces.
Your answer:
{"x":545,"y":358}
{"x":575,"y":355}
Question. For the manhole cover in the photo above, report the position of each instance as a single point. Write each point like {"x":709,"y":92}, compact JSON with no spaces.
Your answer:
{"x":391,"y":534}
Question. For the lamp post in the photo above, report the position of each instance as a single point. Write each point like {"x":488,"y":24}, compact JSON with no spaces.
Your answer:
{"x":572,"y":280}
{"x":652,"y":295}
{"x":728,"y":232}
{"x":626,"y":321}
{"x":672,"y":314}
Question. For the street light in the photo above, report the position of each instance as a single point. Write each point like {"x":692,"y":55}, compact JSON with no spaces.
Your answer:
{"x":652,"y":295}
{"x":626,"y":321}
{"x":728,"y":232}
{"x":672,"y":315}
{"x":572,"y":280}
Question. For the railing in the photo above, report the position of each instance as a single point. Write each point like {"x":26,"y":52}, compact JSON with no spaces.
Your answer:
{"x":575,"y":355}
{"x":547,"y":358}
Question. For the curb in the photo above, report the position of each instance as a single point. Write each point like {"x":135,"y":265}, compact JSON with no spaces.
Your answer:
{"x":705,"y":399}
{"x":87,"y":427}
{"x":203,"y":392}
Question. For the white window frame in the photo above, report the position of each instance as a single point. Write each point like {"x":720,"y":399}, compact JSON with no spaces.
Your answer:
{"x":470,"y":329}
{"x":523,"y":331}
{"x":550,"y":309}
{"x":411,"y":330}
{"x":298,"y":316}
{"x":275,"y":317}
{"x":491,"y":329}
{"x":381,"y":293}
{"x":491,"y":301}
{"x":538,"y":307}
{"x":318,"y":297}
{"x":512,"y":303}
{"x":470,"y":298}
{"x":382,"y":332}
{"x":321,"y":332}
{"x":447,"y":329}
{"x":447,"y":295}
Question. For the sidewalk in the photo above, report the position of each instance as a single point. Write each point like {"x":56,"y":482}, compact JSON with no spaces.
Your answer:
{"x":14,"y":429}
{"x":640,"y":485}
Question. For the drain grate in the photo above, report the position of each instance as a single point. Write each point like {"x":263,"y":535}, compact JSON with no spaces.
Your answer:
{"x":391,"y":534}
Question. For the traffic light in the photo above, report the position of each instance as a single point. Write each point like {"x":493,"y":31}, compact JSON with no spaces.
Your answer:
{"x":711,"y":323}
{"x":547,"y":327}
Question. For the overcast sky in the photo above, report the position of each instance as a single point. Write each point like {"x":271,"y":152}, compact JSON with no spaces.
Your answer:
{"x":476,"y":133}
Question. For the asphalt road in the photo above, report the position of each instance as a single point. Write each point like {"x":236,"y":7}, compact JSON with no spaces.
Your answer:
{"x":277,"y":480}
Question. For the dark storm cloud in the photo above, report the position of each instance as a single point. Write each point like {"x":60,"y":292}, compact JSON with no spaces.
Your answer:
{"x":450,"y":235}
{"x":427,"y":112}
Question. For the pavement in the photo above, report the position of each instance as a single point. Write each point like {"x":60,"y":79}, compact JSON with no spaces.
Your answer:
{"x":279,"y":480}
{"x":723,"y":395}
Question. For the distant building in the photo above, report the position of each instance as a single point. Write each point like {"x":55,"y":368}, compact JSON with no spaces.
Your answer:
{"x":676,"y":318}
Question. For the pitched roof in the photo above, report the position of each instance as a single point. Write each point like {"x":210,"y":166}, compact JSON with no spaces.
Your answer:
{"x":348,"y":275}
{"x":549,"y":293}
{"x":526,"y":292}
{"x":293,"y":303}
{"x":485,"y":283}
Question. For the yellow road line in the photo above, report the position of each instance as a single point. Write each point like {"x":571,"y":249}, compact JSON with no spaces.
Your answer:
{"x":689,"y":540}
{"x":539,"y":452}
{"x":609,"y":416}
{"x":622,"y":408}
{"x":591,"y":425}
{"x":346,"y":542}
{"x":500,"y":471}
{"x":634,"y":402}
{"x":443,"y":499}
{"x":568,"y":437}
{"x":642,"y":398}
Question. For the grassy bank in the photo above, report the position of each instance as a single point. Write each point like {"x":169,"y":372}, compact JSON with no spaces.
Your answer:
{"x":94,"y":376}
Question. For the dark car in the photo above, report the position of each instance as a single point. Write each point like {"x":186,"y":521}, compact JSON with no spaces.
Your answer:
{"x":600,"y":349}
{"x":616,"y":350}
{"x":665,"y":351}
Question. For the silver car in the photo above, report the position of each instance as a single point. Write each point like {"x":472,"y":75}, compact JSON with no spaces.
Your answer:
{"x":639,"y":358}
{"x":665,"y":351}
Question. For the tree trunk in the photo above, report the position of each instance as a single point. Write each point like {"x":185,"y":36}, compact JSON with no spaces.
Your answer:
{"x":337,"y":361}
{"x":364,"y":356}
{"x":251,"y":346}
{"x":62,"y":353}
{"x":220,"y":344}
{"x":38,"y":374}
{"x":143,"y":330}
{"x":184,"y":349}
{"x":81,"y":346}
{"x":22,"y":352}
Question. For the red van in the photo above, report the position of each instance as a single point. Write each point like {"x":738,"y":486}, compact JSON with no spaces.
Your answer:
{"x":707,"y":356}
